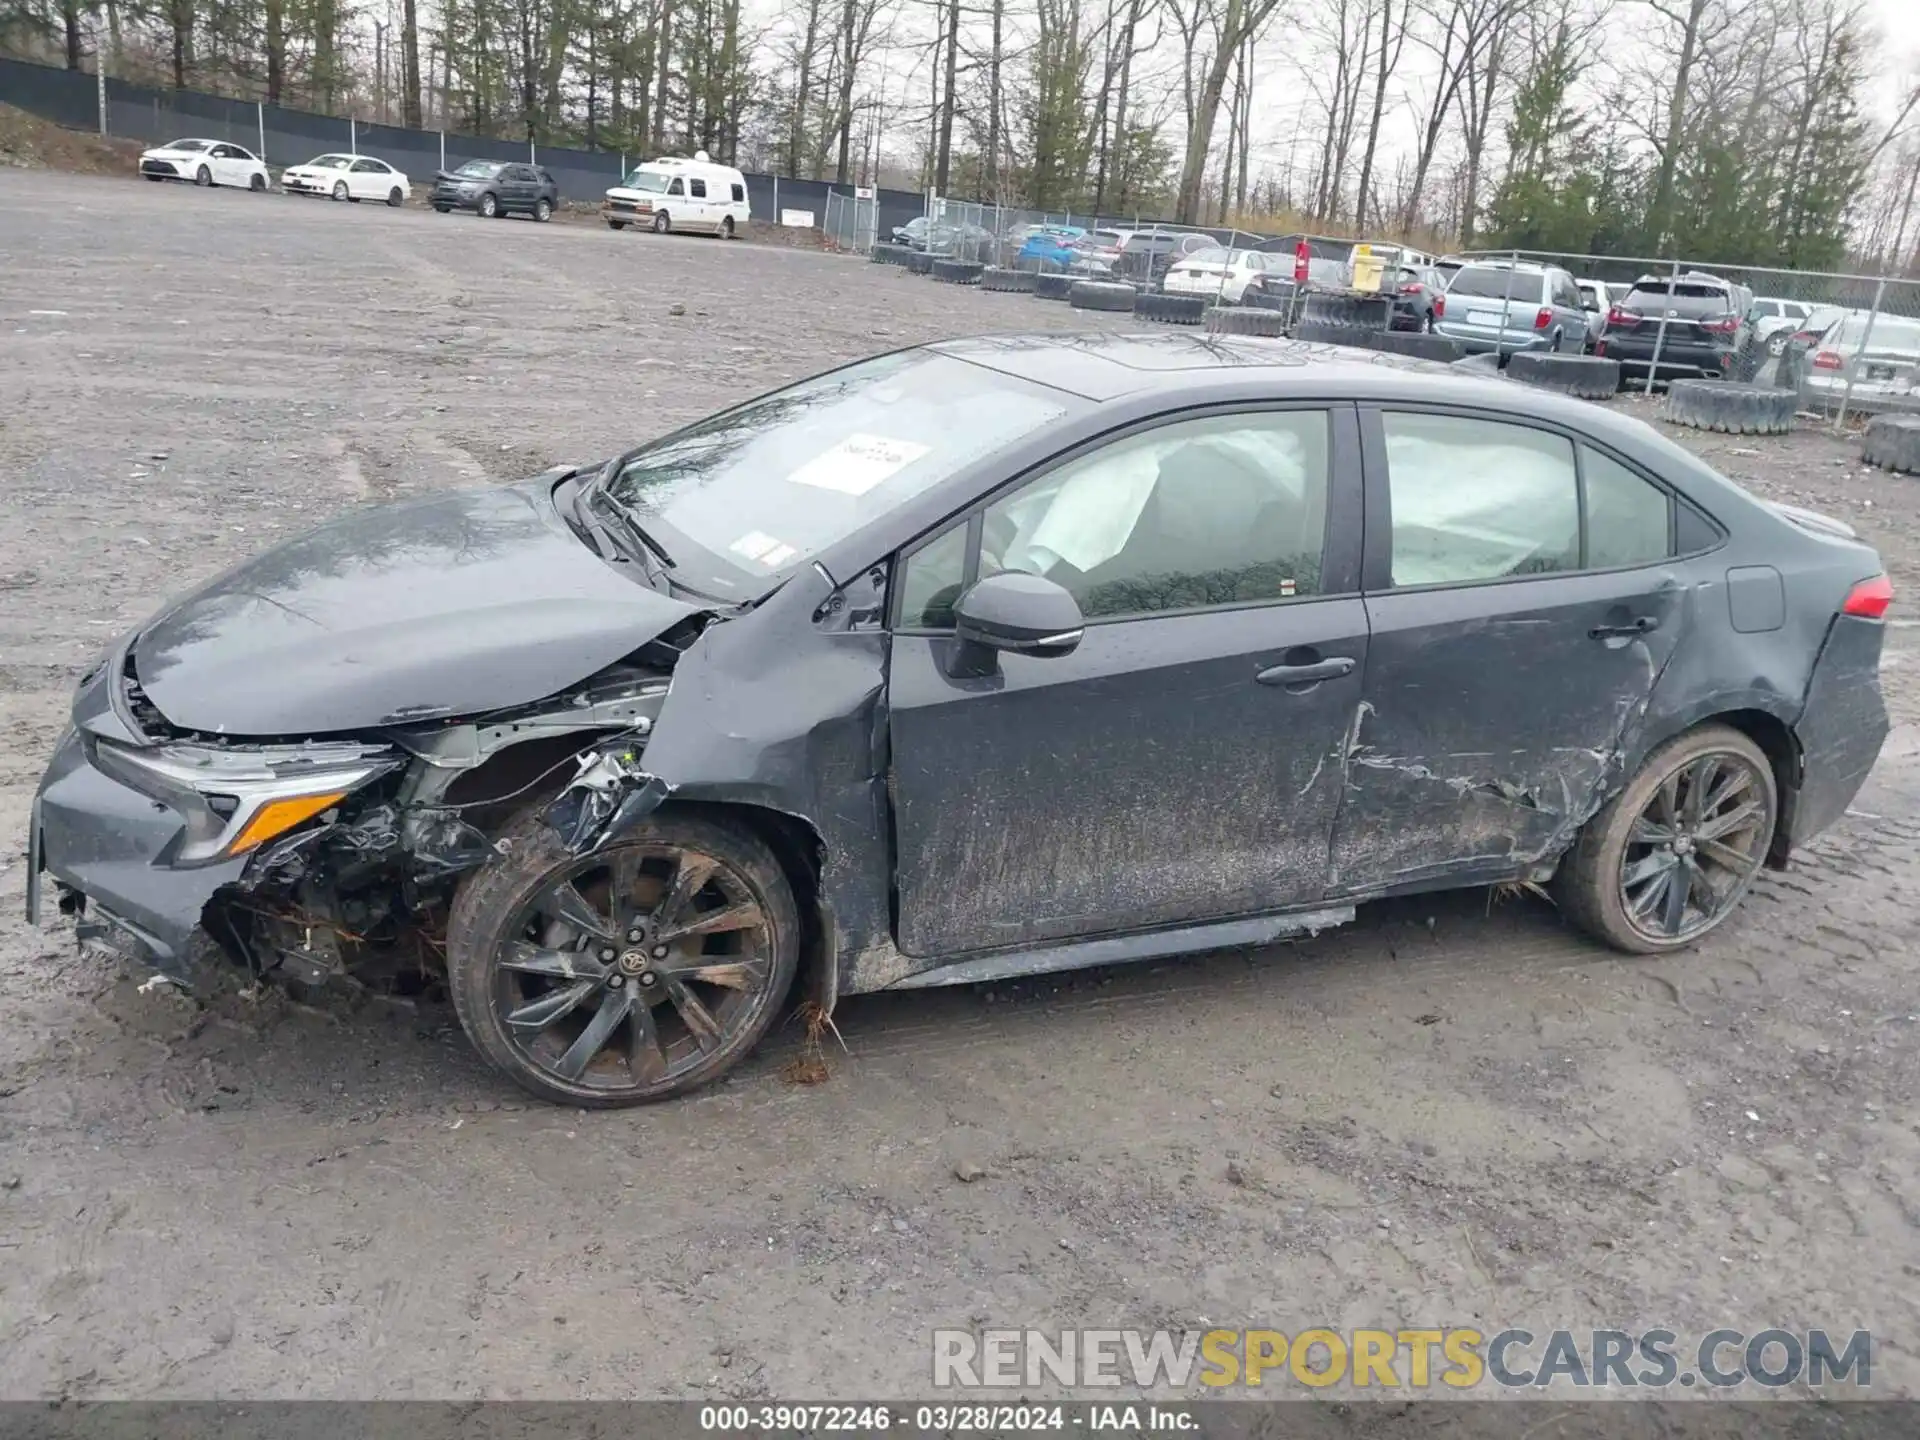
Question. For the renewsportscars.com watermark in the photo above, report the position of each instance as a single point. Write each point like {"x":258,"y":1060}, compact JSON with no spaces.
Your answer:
{"x":1416,"y":1359}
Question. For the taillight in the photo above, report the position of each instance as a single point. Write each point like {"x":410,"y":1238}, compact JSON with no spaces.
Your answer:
{"x":1439,"y":306}
{"x":1543,"y":319}
{"x":1726,"y":325}
{"x":1869,"y":599}
{"x":1620,"y":315}
{"x":1301,"y":256}
{"x":1410,"y":289}
{"x":1827,"y":360}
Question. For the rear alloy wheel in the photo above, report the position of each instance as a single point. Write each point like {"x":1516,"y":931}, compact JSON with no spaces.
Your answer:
{"x":339,"y":190}
{"x":489,"y":206}
{"x":1669,"y":858}
{"x":662,"y":222}
{"x":630,"y":974}
{"x":542,"y":210}
{"x":203,"y":176}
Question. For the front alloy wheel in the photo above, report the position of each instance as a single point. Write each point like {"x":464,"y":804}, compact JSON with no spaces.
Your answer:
{"x":203,"y":177}
{"x":1669,"y":858}
{"x":489,"y":206}
{"x":542,"y":211}
{"x":630,"y":974}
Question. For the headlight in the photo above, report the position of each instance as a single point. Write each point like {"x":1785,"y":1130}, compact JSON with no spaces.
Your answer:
{"x":236,"y":800}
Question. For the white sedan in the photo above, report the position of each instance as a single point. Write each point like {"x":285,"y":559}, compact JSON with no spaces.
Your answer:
{"x":205,"y":162}
{"x":346,"y":177}
{"x":1221,"y":273}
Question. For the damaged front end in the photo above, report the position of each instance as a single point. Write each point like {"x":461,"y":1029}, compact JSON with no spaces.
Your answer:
{"x":307,"y":859}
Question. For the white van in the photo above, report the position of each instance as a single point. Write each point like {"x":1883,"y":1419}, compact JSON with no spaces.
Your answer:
{"x":673,"y":194}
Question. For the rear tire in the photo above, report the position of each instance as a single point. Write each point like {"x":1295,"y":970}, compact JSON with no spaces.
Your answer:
{"x":616,"y":224}
{"x":441,"y":209}
{"x":396,"y":197}
{"x":257,"y":184}
{"x":1593,"y":881}
{"x":726,"y":228}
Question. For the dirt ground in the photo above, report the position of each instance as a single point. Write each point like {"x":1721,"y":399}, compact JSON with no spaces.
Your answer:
{"x":1450,"y":1113}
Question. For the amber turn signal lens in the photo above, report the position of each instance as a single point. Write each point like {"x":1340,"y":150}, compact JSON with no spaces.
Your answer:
{"x":278,"y":816}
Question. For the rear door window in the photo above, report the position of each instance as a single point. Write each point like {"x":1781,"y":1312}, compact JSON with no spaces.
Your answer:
{"x":698,"y":189}
{"x":1477,"y":500}
{"x":1629,"y":520}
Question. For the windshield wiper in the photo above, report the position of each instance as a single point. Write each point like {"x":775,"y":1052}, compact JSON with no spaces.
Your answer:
{"x":622,"y":516}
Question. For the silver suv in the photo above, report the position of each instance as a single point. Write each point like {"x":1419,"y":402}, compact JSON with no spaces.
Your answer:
{"x":1499,"y":307}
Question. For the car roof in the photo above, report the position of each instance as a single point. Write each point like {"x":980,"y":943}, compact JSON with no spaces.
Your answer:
{"x":1184,"y":368}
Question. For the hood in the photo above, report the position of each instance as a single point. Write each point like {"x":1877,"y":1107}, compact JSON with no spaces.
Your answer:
{"x":454,"y":605}
{"x":621,"y":192}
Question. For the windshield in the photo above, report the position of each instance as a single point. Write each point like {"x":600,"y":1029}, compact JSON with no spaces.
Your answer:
{"x":1491,"y":283}
{"x":330,"y":162}
{"x":764,"y":487}
{"x":188,"y":145}
{"x":654,"y":182}
{"x":479,"y":169}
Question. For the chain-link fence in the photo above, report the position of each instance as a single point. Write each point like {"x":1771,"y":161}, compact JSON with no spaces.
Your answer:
{"x":1849,"y":344}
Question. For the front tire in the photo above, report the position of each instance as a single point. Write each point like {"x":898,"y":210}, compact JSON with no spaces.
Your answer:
{"x":662,"y":223}
{"x":632,"y":974}
{"x":542,"y":211}
{"x":441,"y":209}
{"x":1667,"y":860}
{"x":339,"y":190}
{"x":203,"y":177}
{"x":489,"y":206}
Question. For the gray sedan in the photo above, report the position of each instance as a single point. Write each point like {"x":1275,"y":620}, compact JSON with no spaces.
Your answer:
{"x":986,"y":658}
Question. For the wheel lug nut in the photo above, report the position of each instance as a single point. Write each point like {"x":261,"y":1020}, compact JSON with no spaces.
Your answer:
{"x":646,"y":978}
{"x":659,"y":952}
{"x":606,"y":954}
{"x":617,"y":981}
{"x":636,"y":935}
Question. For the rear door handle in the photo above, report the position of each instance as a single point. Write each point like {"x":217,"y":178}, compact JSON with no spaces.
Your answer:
{"x":1331,"y":669}
{"x":1639,"y":625}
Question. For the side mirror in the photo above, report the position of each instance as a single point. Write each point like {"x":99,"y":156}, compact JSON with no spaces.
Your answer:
{"x":1016,"y":612}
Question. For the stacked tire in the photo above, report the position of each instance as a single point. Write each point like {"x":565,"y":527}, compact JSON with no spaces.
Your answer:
{"x":1112,"y":296}
{"x":919,"y":262}
{"x":1319,"y":332}
{"x":1893,"y":443}
{"x":1728,"y":406}
{"x":1354,"y":312}
{"x":1586,"y":377}
{"x":889,"y":254}
{"x":1170,"y":309}
{"x":958,"y":272}
{"x":1011,"y":282}
{"x":1418,"y":346}
{"x":1053,"y":287}
{"x":1245,"y":320}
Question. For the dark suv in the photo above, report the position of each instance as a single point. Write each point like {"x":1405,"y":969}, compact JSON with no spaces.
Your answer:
{"x":1704,"y":330}
{"x":496,"y":187}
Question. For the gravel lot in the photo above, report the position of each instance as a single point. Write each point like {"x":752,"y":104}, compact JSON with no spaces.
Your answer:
{"x":1451,"y":1113}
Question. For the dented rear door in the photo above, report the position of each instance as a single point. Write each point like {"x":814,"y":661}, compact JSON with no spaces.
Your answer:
{"x":1523,"y":602}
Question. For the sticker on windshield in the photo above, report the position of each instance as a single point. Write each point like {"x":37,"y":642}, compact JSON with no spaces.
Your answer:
{"x":763,"y":550}
{"x":858,"y":463}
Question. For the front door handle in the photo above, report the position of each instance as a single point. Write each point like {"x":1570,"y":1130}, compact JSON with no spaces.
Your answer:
{"x":1639,"y":625}
{"x":1319,"y":670}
